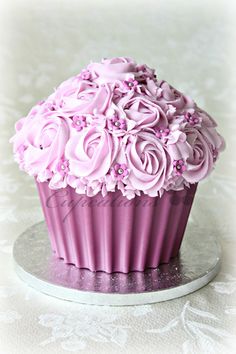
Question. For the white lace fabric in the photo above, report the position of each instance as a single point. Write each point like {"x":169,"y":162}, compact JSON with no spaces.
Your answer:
{"x":191,"y":46}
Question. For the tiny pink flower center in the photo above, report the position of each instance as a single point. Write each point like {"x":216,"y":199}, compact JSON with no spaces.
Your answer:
{"x":116,"y":123}
{"x":85,"y":75}
{"x":192,"y":119}
{"x":130,"y":83}
{"x":63,"y":167}
{"x":179,"y":167}
{"x":119,"y":171}
{"x":79,"y":122}
{"x":161,"y":132}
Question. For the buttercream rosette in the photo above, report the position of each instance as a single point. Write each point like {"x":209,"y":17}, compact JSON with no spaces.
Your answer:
{"x":116,"y":126}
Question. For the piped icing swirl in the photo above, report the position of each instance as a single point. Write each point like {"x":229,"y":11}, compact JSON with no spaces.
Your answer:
{"x":115,"y":125}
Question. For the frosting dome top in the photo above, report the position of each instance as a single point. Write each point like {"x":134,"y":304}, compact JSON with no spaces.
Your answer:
{"x":116,"y":126}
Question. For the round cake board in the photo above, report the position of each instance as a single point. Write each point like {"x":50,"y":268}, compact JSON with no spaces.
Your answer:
{"x":197,"y":264}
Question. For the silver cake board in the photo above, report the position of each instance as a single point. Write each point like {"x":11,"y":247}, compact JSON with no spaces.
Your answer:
{"x":197,"y":264}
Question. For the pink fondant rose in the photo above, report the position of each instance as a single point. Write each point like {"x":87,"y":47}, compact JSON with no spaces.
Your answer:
{"x":45,"y":140}
{"x":170,"y":96}
{"x":197,"y":152}
{"x":91,"y":153}
{"x":71,"y":94}
{"x":200,"y":160}
{"x":110,"y":70}
{"x":87,"y":99}
{"x":22,"y":126}
{"x":94,"y":100}
{"x":148,"y":162}
{"x":145,"y":113}
{"x":217,"y":143}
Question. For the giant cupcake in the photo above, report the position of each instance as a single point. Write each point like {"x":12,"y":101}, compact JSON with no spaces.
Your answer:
{"x":116,"y":154}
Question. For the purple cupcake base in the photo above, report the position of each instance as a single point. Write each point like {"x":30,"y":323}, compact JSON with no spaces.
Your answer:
{"x":112,"y":233}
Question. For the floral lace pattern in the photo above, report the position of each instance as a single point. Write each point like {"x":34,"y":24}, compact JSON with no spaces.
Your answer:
{"x":183,"y":43}
{"x":74,"y":331}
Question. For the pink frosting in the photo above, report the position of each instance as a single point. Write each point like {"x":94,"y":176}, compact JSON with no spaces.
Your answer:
{"x":91,"y":153}
{"x":149,"y":163}
{"x":116,"y":126}
{"x":144,"y":113}
{"x":43,"y":141}
{"x":112,"y":70}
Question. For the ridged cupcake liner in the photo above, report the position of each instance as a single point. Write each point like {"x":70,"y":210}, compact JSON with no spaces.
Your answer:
{"x":112,"y":233}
